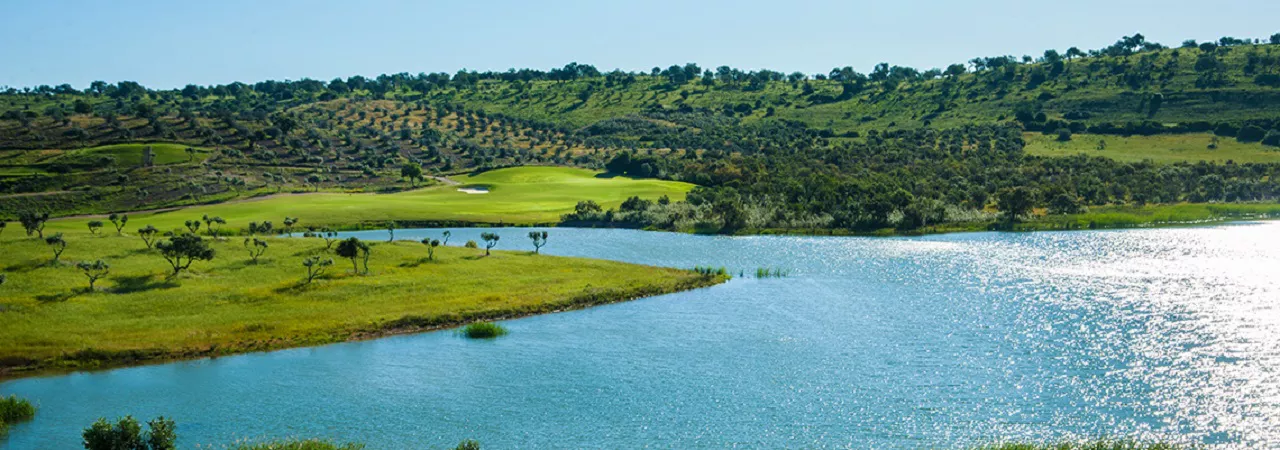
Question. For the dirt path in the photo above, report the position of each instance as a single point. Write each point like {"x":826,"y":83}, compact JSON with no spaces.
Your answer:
{"x":36,"y":194}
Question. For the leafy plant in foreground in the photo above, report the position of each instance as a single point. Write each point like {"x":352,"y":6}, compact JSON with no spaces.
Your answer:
{"x":127,"y":434}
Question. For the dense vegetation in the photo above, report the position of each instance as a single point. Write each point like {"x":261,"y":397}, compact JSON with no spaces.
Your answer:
{"x":896,"y":148}
{"x":14,"y":410}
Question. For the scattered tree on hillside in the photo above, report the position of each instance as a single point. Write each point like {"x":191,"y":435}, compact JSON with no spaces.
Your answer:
{"x":446,"y":235}
{"x":256,"y":248}
{"x":316,"y":266}
{"x":94,"y":270}
{"x":263,"y":228}
{"x":539,"y":239}
{"x":94,"y":226}
{"x":181,"y":251}
{"x":192,"y":225}
{"x":412,"y":171}
{"x":1015,"y":202}
{"x":351,"y":248}
{"x":490,"y":241}
{"x":431,"y":247}
{"x":58,"y":244}
{"x":391,"y":230}
{"x":118,"y":221}
{"x":148,"y":233}
{"x":289,"y":222}
{"x":33,"y":222}
{"x":213,"y":224}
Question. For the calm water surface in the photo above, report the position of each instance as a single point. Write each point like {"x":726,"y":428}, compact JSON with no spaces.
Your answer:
{"x":928,"y":342}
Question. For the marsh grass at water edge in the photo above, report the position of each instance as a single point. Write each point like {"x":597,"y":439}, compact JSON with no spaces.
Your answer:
{"x":483,"y":330}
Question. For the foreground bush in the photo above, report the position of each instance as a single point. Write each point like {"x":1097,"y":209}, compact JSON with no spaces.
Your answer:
{"x":483,"y":330}
{"x":127,"y":434}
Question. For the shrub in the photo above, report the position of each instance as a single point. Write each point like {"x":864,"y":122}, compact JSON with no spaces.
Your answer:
{"x":1064,"y":135}
{"x":1272,"y":138}
{"x":1250,"y":133}
{"x":483,"y":330}
{"x":127,"y":434}
{"x":14,"y":410}
{"x":471,"y":244}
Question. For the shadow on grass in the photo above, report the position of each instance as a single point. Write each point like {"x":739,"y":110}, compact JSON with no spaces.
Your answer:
{"x":30,"y":265}
{"x":418,"y":262}
{"x":57,"y":298}
{"x":140,"y":283}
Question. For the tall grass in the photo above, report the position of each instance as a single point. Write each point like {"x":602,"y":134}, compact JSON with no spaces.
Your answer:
{"x":293,"y":444}
{"x":771,"y":272}
{"x":14,"y":410}
{"x":711,"y":271}
{"x":483,"y":330}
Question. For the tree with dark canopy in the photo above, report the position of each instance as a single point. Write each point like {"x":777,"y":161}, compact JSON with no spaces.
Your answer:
{"x":539,"y":239}
{"x":118,"y":221}
{"x":181,"y":251}
{"x":94,"y":270}
{"x":58,"y":244}
{"x":256,"y":248}
{"x":94,"y":226}
{"x":148,"y":233}
{"x":351,"y":249}
{"x":431,"y":247}
{"x":316,"y":266}
{"x":490,"y":241}
{"x":33,"y":221}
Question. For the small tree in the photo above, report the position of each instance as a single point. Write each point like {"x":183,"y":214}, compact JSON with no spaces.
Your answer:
{"x":1015,"y":202}
{"x":3,"y":279}
{"x":412,"y":171}
{"x":213,"y":224}
{"x":446,"y":237}
{"x":539,"y":239}
{"x":94,"y":226}
{"x":470,"y":244}
{"x":127,"y":434}
{"x":193,"y":226}
{"x":315,"y":267}
{"x":431,"y":247}
{"x":256,"y":228}
{"x":329,"y":237}
{"x":181,"y":251}
{"x":490,"y":241}
{"x":364,"y":253}
{"x":256,"y":248}
{"x":391,"y":230}
{"x":289,"y":222}
{"x":119,"y":221}
{"x":2,"y":225}
{"x":33,"y":222}
{"x":148,"y":234}
{"x":351,"y":249}
{"x":58,"y":244}
{"x":94,"y":270}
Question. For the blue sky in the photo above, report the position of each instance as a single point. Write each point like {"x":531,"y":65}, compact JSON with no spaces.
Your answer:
{"x":169,"y":44}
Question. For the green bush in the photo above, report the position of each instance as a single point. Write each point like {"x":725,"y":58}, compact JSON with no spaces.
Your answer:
{"x":471,"y":244}
{"x":14,"y":410}
{"x":127,"y":434}
{"x":483,"y":330}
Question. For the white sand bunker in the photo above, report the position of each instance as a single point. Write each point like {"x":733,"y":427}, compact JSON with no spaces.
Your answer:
{"x":474,"y":190}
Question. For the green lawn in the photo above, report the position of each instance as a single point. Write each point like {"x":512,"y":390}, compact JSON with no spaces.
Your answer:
{"x":231,"y":305}
{"x":129,"y":155}
{"x":516,"y":196}
{"x":1165,"y":148}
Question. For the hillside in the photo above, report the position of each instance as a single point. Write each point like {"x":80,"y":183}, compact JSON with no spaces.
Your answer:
{"x":762,"y":133}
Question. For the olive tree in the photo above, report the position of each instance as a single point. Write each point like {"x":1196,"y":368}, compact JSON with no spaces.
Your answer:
{"x":351,"y":248}
{"x":148,"y":234}
{"x":446,"y":237}
{"x":316,"y":266}
{"x":193,"y":226}
{"x":58,"y":244}
{"x":94,"y":270}
{"x":256,"y":248}
{"x":391,"y":230}
{"x":213,"y":224}
{"x":490,"y":241}
{"x":539,"y":239}
{"x":119,"y":221}
{"x":94,"y":226}
{"x":431,"y":247}
{"x":33,"y":222}
{"x":181,"y":251}
{"x":412,"y":171}
{"x":289,"y":222}
{"x":260,"y":228}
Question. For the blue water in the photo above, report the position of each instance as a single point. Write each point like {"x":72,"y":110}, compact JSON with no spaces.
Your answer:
{"x":926,"y":342}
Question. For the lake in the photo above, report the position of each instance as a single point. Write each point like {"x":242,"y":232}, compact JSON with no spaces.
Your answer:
{"x":916,"y":342}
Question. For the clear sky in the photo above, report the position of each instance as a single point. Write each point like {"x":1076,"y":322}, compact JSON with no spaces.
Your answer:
{"x":169,"y":43}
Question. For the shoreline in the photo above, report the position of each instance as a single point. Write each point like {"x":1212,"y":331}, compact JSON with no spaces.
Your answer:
{"x":91,"y":360}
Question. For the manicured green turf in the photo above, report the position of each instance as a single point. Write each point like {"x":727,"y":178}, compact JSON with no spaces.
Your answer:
{"x":516,"y":196}
{"x":1165,"y":148}
{"x":129,"y":155}
{"x":230,"y":304}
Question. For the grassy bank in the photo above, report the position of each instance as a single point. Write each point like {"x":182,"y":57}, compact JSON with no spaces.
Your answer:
{"x":48,"y":320}
{"x":1160,"y":148}
{"x":521,"y":195}
{"x":1153,"y":215}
